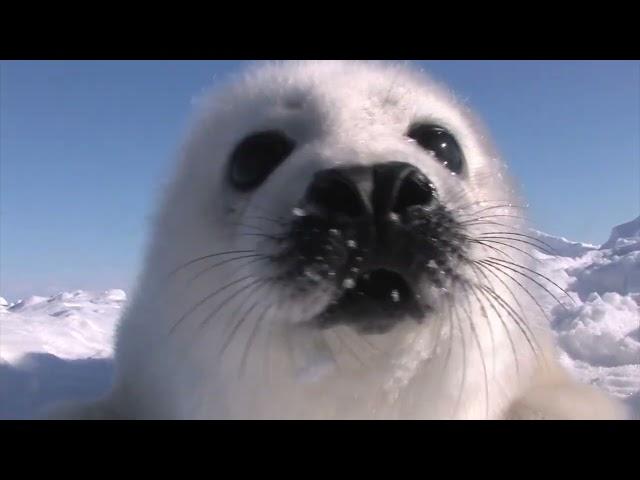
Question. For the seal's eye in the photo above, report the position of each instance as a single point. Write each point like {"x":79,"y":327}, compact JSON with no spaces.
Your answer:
{"x":256,"y":156}
{"x":443,"y":145}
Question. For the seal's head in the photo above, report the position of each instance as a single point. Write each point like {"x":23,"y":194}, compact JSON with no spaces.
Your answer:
{"x":322,"y":200}
{"x":343,"y":189}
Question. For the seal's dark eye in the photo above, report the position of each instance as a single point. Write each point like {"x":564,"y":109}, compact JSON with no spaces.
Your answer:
{"x":256,"y":156}
{"x":440,"y":142}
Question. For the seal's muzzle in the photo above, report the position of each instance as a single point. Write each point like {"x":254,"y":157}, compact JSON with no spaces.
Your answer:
{"x":373,"y":231}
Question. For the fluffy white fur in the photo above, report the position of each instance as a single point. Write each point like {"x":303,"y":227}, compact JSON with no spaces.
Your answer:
{"x":470,"y":361}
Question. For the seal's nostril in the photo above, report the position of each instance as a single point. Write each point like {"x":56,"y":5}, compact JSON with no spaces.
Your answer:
{"x":399,"y":186}
{"x":415,"y":189}
{"x":334,"y":194}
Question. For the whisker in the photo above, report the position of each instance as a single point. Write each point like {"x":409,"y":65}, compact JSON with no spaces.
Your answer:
{"x":264,"y":235}
{"x":520,"y":323}
{"x":231,"y":297}
{"x":484,"y":244}
{"x":480,"y":351}
{"x":371,"y":346}
{"x":277,"y":220}
{"x":450,"y":338}
{"x":255,"y":289}
{"x":437,"y":339}
{"x":483,"y":311}
{"x":493,"y":208}
{"x":464,"y":361}
{"x":235,"y":329}
{"x":247,"y":225}
{"x":536,"y":273}
{"x":489,"y":268}
{"x":519,"y":320}
{"x":207,"y":298}
{"x":490,"y":302}
{"x":345,"y":344}
{"x":489,"y":240}
{"x":467,"y":222}
{"x":468,"y":205}
{"x":195,"y":260}
{"x":495,"y":237}
{"x":531,"y":237}
{"x":254,"y":331}
{"x":212,"y":267}
{"x":262,"y":209}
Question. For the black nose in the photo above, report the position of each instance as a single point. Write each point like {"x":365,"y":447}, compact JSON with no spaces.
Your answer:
{"x":358,"y":192}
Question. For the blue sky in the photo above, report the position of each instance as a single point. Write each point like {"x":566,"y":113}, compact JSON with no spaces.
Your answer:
{"x":86,"y":145}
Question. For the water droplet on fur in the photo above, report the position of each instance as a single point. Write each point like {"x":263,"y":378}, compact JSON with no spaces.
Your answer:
{"x":432,"y":264}
{"x":299,"y":212}
{"x":395,"y":295}
{"x":311,"y":274}
{"x":331,"y":273}
{"x":352,"y":244}
{"x":349,"y":283}
{"x":394,"y":217}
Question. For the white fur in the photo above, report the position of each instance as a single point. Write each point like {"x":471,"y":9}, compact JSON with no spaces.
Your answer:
{"x":338,"y":113}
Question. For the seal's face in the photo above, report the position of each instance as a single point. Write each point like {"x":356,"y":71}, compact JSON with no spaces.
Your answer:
{"x":376,"y":235}
{"x":342,"y":186}
{"x":339,"y":241}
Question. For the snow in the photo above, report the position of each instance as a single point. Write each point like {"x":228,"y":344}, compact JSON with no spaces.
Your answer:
{"x":599,"y":334}
{"x":563,"y":247}
{"x":61,"y":347}
{"x":624,"y":234}
{"x":56,"y":348}
{"x":68,"y":325}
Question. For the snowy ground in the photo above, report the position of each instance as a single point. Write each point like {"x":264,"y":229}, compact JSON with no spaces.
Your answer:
{"x":60,"y":347}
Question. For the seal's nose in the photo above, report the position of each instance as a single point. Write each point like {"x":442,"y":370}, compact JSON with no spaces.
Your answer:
{"x":365,"y":229}
{"x":341,"y":192}
{"x":359,"y":192}
{"x":399,"y":186}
